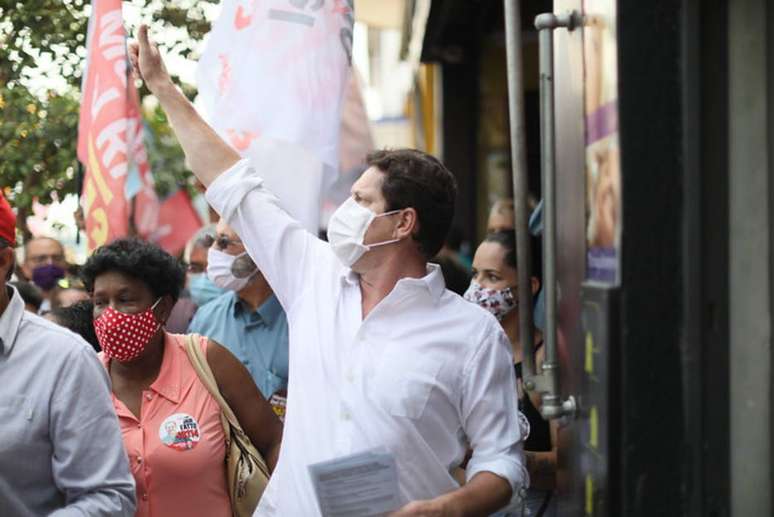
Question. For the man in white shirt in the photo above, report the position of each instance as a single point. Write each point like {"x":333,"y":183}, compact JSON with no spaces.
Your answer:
{"x":381,"y":354}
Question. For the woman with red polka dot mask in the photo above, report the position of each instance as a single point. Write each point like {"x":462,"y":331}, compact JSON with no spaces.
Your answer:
{"x":170,"y":422}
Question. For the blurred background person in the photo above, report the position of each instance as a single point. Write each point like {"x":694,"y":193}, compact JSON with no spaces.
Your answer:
{"x":500,"y":216}
{"x":68,"y":291}
{"x":248,"y":319}
{"x":78,"y":317}
{"x":30,"y":294}
{"x":201,"y":289}
{"x":495,"y":288}
{"x":44,"y":264}
{"x":171,"y":423}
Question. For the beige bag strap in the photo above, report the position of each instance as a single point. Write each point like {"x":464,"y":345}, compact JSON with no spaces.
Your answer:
{"x":202,"y":367}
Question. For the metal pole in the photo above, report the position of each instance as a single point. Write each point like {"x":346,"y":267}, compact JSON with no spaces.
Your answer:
{"x":552,"y":406}
{"x":520,"y":183}
{"x":546,"y":40}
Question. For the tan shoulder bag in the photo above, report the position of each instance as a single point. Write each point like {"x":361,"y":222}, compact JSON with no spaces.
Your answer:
{"x":246,"y":471}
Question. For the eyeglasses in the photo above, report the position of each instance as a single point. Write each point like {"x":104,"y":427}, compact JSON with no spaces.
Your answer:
{"x":195,"y":267}
{"x":221,"y":242}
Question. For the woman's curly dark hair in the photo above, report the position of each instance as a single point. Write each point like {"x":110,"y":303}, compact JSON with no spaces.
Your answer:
{"x":157,"y":269}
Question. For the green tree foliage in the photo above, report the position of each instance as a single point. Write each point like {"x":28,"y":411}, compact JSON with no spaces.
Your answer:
{"x":42,"y":54}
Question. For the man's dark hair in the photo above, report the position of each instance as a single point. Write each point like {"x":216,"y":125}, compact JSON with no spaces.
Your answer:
{"x":162,"y":273}
{"x":507,"y":239}
{"x":413,"y":179}
{"x":79,"y":318}
{"x":30,"y":294}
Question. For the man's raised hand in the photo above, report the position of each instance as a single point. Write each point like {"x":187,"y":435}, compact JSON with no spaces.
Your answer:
{"x":146,"y":61}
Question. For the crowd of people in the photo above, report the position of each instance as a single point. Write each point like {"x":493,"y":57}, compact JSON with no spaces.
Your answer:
{"x":319,"y":349}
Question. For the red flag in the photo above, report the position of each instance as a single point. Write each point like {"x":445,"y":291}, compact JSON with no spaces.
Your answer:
{"x":177,"y":223}
{"x":110,"y":127}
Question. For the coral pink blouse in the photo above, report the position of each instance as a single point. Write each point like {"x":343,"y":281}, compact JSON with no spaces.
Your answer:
{"x":176,"y":448}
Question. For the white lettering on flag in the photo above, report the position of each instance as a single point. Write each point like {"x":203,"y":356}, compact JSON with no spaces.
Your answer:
{"x":100,"y":99}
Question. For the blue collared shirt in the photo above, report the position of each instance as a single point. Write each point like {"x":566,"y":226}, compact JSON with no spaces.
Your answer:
{"x":257,"y":338}
{"x":61,"y":452}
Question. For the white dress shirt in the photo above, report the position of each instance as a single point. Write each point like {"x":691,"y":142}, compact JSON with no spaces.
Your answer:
{"x":423,"y":375}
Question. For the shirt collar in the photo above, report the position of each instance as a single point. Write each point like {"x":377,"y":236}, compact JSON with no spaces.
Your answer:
{"x":269,"y":310}
{"x":10,"y":319}
{"x":167,"y":384}
{"x":433,"y":281}
{"x":234,"y":304}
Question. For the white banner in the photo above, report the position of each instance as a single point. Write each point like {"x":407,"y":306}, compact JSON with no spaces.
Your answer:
{"x":278,"y":69}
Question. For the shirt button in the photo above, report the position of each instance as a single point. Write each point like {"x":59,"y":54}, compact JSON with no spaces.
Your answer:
{"x":139,"y":459}
{"x":345,"y":415}
{"x":145,"y":496}
{"x":148,"y":396}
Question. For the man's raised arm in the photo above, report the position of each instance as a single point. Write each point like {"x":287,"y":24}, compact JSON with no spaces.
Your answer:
{"x":206,"y":153}
{"x":289,"y":257}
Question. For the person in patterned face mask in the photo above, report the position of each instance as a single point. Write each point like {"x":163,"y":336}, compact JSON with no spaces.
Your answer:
{"x":171,"y":424}
{"x":494,"y":287}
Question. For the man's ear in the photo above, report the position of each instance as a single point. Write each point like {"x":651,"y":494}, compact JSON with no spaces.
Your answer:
{"x":27,"y":270}
{"x":409,"y":223}
{"x":7,"y":261}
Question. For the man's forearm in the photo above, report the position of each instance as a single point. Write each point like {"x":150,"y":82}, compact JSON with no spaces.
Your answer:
{"x":206,"y":153}
{"x":483,"y":495}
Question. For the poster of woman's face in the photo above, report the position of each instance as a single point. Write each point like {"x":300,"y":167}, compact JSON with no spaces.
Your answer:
{"x":604,"y":193}
{"x":603,"y":163}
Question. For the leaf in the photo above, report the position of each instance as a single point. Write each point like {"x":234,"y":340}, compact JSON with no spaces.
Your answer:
{"x":39,"y":131}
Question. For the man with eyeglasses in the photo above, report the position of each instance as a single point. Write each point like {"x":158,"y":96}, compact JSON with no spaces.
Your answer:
{"x":44,"y":264}
{"x":198,"y":289}
{"x":248,"y":318}
{"x":61,"y":450}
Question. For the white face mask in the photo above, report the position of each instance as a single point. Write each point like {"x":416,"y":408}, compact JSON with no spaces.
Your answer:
{"x":228,"y":271}
{"x":347,"y":228}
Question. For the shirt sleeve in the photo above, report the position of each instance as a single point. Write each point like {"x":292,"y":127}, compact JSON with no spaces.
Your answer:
{"x":89,"y":464}
{"x":289,"y":257}
{"x":490,"y":412}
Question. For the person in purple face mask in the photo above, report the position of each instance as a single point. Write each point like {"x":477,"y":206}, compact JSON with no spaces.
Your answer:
{"x":44,"y":264}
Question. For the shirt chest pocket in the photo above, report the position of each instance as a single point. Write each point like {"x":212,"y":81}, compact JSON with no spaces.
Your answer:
{"x":402,"y":384}
{"x":15,"y":408}
{"x":16,"y":415}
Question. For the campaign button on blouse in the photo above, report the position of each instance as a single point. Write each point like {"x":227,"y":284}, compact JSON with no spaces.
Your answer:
{"x":180,"y":432}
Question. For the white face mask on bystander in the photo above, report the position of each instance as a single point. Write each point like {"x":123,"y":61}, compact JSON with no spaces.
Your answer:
{"x":221,"y":269}
{"x":347,"y":228}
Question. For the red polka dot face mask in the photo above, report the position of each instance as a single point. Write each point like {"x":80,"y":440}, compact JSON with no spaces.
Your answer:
{"x":124,"y":336}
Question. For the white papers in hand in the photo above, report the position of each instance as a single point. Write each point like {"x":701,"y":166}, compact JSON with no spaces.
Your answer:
{"x":360,"y":485}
